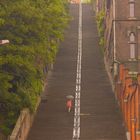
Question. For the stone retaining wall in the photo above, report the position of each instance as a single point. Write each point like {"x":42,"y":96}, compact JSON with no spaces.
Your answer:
{"x":23,"y":124}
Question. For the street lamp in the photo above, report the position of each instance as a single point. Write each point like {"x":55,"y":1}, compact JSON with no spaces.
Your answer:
{"x":4,"y":42}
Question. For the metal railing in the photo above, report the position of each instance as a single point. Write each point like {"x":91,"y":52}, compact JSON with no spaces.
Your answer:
{"x":127,"y":90}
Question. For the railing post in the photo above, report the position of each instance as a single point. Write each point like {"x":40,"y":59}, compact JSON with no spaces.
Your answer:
{"x":138,"y":110}
{"x":133,"y":111}
{"x":124,"y":91}
{"x":128,"y":82}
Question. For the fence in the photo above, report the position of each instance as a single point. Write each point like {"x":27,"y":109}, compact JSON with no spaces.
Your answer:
{"x":23,"y":124}
{"x":2,"y":137}
{"x":127,"y":90}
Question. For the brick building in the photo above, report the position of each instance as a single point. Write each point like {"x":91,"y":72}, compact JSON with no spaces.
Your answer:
{"x":122,"y":34}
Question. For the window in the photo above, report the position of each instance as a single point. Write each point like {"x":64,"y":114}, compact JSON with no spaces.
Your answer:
{"x":132,"y":51}
{"x":132,"y":46}
{"x":132,"y":37}
{"x":132,"y":8}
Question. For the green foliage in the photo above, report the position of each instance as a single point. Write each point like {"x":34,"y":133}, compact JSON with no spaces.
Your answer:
{"x":100,"y":26}
{"x":34,"y":28}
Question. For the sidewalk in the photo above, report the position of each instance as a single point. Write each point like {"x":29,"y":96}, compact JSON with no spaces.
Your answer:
{"x":101,"y":119}
{"x":53,"y":122}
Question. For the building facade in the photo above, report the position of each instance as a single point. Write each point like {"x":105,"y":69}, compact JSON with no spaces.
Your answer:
{"x":122,"y":34}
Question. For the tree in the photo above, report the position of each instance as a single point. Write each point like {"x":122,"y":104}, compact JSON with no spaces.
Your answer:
{"x":34,"y":28}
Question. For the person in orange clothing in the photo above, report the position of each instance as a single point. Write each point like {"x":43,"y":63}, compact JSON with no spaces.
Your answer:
{"x":69,"y":104}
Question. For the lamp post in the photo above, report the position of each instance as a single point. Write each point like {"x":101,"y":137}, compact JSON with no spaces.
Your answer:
{"x":2,"y":42}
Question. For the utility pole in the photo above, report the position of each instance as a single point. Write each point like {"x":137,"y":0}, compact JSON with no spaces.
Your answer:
{"x":114,"y":42}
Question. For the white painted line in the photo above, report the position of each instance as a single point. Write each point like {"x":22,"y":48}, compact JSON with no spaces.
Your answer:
{"x":77,"y":111}
{"x":79,"y":88}
{"x":75,"y":121}
{"x":78,"y":121}
{"x":77,"y":105}
{"x":78,"y":75}
{"x":76,"y":126}
{"x":76,"y":87}
{"x":74,"y":133}
{"x":78,"y":132}
{"x":78,"y":82}
{"x":77,"y":95}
